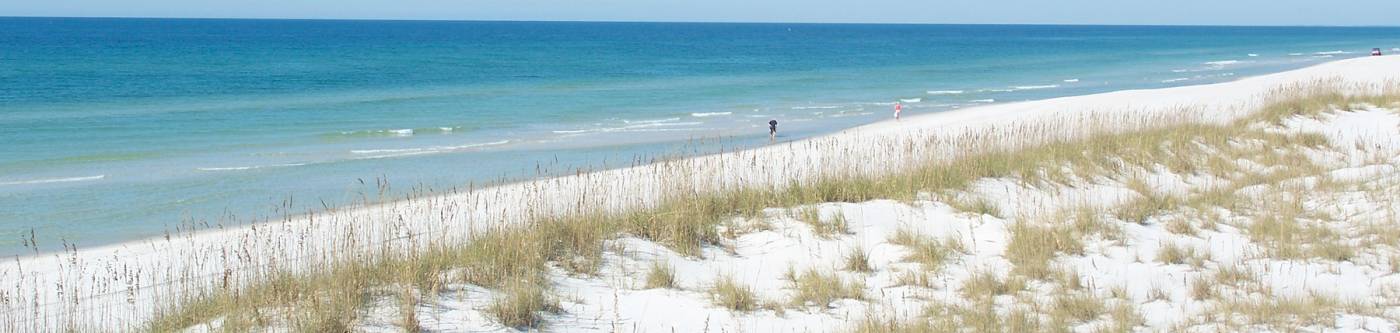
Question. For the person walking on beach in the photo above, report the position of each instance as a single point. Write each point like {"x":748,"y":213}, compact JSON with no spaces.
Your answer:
{"x":772,"y":130}
{"x":897,"y":108}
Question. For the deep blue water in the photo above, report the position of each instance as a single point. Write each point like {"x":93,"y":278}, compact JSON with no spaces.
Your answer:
{"x":117,"y":129}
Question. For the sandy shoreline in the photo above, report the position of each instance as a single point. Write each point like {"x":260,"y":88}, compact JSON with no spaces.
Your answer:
{"x":116,"y":286}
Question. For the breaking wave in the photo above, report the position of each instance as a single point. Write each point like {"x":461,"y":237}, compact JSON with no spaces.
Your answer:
{"x":387,"y":153}
{"x":254,"y":167}
{"x":709,"y":114}
{"x":53,"y":180}
{"x":944,"y":92}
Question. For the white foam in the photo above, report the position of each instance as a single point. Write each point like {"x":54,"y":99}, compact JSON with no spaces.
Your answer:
{"x":710,"y":114}
{"x":1048,"y":86}
{"x":1331,"y":52}
{"x":911,"y":100}
{"x":944,"y":92}
{"x":1071,"y":80}
{"x":816,"y":107}
{"x":1295,"y":54}
{"x":1222,"y":62}
{"x":240,"y":168}
{"x":386,"y":153}
{"x":651,"y":121}
{"x":404,"y":154}
{"x":989,"y":100}
{"x":640,"y":127}
{"x":841,"y":115}
{"x":1175,"y":80}
{"x":644,"y":130}
{"x":54,"y":180}
{"x":1254,"y":54}
{"x":688,"y":123}
{"x":391,"y":132}
{"x":1323,"y":56}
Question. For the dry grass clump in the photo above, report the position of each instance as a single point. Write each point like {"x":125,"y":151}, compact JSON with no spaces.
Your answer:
{"x":1334,"y":250}
{"x":1202,"y":289}
{"x":1234,"y":275}
{"x":521,"y":305}
{"x":858,"y":261}
{"x":328,"y":302}
{"x":978,"y":316}
{"x":1147,"y":205}
{"x":917,"y":278}
{"x":1222,"y":197}
{"x":1181,"y":226}
{"x":1281,"y":313}
{"x":1316,"y":99}
{"x":978,"y":205}
{"x":685,"y":227}
{"x":1087,"y":221}
{"x":871,"y":325}
{"x":732,"y":295}
{"x":1287,"y":236}
{"x":1032,"y":247}
{"x":931,"y":253}
{"x":514,"y":261}
{"x":988,"y":284}
{"x":1173,"y":254}
{"x":660,"y":275}
{"x":1125,"y":318}
{"x":815,"y":288}
{"x":824,"y":228}
{"x":408,"y":310}
{"x":1076,"y":308}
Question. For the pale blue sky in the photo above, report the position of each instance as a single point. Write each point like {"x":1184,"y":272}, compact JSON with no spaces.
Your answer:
{"x":1190,"y":12}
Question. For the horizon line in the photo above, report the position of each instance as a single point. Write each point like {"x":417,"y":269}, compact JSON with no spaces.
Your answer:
{"x":691,"y":21}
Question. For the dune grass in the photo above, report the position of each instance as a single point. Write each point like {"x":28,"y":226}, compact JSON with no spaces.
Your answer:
{"x":813,"y":287}
{"x":1032,"y":247}
{"x":660,"y":275}
{"x":930,"y":253}
{"x":1175,"y":254}
{"x":1281,"y":313}
{"x":823,"y":227}
{"x":730,"y":294}
{"x":858,"y":261}
{"x":521,"y":305}
{"x":515,"y":260}
{"x":987,"y":284}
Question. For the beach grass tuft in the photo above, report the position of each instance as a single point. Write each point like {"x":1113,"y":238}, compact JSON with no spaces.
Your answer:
{"x":730,"y":294}
{"x":660,"y":275}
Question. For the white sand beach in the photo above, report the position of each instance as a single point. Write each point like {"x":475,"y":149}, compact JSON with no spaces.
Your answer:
{"x":120,"y":287}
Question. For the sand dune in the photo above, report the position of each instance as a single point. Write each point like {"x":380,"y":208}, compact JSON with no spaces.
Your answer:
{"x":120,"y":286}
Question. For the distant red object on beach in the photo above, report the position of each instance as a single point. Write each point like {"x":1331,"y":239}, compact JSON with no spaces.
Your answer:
{"x":1376,"y":51}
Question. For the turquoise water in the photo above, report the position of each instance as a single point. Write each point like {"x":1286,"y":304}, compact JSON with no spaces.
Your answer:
{"x":118,"y":129}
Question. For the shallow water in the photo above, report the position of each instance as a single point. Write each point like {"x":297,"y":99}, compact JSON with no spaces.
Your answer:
{"x":117,"y":129}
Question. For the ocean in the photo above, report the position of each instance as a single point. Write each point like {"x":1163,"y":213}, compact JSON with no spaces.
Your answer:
{"x":114,"y":130}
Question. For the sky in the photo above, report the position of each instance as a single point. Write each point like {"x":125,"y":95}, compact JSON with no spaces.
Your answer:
{"x":1146,"y":12}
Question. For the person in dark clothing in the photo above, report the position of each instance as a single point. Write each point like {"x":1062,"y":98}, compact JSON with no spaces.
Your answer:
{"x":772,"y":130}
